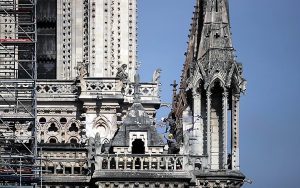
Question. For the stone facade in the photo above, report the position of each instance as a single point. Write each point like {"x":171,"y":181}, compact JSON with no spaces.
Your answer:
{"x":95,"y":120}
{"x":105,"y":37}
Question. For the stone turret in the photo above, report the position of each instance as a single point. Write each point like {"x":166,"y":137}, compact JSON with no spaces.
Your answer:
{"x":211,"y":85}
{"x":137,"y":135}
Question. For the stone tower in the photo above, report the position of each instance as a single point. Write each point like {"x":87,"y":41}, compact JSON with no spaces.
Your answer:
{"x":206,"y":109}
{"x":101,"y":34}
{"x":91,"y":43}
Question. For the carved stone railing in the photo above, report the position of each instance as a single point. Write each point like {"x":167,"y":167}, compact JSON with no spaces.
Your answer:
{"x":101,"y":86}
{"x":96,"y":88}
{"x":147,"y":92}
{"x":140,"y":162}
{"x":56,"y":88}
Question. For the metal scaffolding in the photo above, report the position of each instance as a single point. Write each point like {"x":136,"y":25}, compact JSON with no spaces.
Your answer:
{"x":18,"y":74}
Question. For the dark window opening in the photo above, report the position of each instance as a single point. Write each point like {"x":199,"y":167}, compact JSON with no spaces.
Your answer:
{"x":63,"y":120}
{"x":73,"y":141}
{"x":46,"y":69}
{"x":137,"y":164}
{"x":25,"y":69}
{"x":73,"y":128}
{"x":46,"y":39}
{"x":76,"y":170}
{"x":52,"y":141}
{"x":51,"y":169}
{"x":43,"y":169}
{"x":42,"y":120}
{"x":138,"y":147}
{"x":59,"y":171}
{"x":113,"y":164}
{"x":68,"y":170}
{"x":52,"y":128}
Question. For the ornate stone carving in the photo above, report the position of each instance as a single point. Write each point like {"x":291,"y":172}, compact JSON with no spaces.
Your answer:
{"x":123,"y":76}
{"x":82,"y":72}
{"x":156,"y":76}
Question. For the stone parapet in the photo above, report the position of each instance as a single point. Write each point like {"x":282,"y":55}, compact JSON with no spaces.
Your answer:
{"x":52,"y":90}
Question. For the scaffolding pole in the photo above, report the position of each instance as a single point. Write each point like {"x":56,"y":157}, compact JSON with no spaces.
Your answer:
{"x":18,"y":101}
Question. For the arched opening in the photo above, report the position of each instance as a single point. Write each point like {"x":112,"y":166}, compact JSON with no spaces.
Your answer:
{"x":138,"y":147}
{"x":217,"y":122}
{"x":52,"y":141}
{"x":73,"y":141}
{"x":73,"y":128}
{"x":52,"y":128}
{"x":63,"y":120}
{"x":42,"y":120}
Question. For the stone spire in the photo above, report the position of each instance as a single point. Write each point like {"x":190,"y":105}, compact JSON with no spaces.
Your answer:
{"x":213,"y":79}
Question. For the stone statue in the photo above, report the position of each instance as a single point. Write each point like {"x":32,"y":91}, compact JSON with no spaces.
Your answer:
{"x":156,"y":76}
{"x":243,"y":86}
{"x":82,"y":72}
{"x":173,"y":146}
{"x":123,"y":76}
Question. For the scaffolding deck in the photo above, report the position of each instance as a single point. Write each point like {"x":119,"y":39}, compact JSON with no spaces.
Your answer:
{"x":17,"y":92}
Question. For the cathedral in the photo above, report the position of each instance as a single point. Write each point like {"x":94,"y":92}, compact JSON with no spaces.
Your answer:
{"x":75,"y":114}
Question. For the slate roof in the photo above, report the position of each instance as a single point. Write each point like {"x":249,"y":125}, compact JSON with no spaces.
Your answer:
{"x":137,"y":120}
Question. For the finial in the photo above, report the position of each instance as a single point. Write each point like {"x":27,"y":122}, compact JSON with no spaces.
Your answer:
{"x":136,"y":96}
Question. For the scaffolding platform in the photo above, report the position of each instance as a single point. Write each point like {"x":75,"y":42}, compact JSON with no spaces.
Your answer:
{"x":18,"y":76}
{"x":15,"y":41}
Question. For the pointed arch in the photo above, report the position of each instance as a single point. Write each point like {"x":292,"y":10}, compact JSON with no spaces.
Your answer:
{"x":52,"y":140}
{"x":73,"y":140}
{"x":73,"y":126}
{"x":55,"y":121}
{"x":217,"y":78}
{"x":53,"y":127}
{"x":102,"y":126}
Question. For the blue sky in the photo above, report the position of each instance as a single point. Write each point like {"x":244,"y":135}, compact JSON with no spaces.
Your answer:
{"x":267,"y":42}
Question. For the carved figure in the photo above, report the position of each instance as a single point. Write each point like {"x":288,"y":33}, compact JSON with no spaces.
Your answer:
{"x":173,"y":146}
{"x":243,"y":86}
{"x":123,"y":76}
{"x":156,"y":76}
{"x":82,"y":72}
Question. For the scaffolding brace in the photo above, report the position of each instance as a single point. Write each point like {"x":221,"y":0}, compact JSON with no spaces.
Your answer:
{"x":18,"y":100}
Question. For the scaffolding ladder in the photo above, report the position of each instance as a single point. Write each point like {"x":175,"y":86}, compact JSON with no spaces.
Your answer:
{"x":18,"y":103}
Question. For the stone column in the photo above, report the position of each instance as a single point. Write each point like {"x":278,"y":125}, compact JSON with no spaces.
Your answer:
{"x":55,"y":166}
{"x":117,"y":162}
{"x":64,"y":169}
{"x":208,"y":103}
{"x":235,"y":132}
{"x":72,"y":168}
{"x":59,"y":44}
{"x":224,"y":128}
{"x":197,"y":135}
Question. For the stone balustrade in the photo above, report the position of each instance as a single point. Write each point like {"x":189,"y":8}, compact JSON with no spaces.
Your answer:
{"x":56,"y":88}
{"x":101,"y":86}
{"x":96,"y":87}
{"x":147,"y":92}
{"x":140,"y":162}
